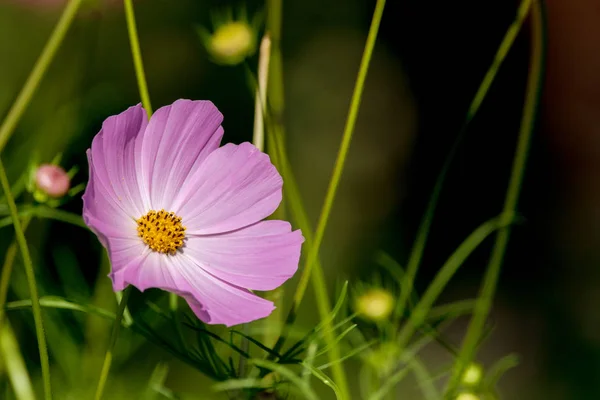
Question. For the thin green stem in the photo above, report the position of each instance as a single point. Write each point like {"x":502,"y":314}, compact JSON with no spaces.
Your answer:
{"x":275,"y":92}
{"x":7,"y":267}
{"x":29,"y":272}
{"x":38,"y":72}
{"x":111,"y":345}
{"x":337,"y":174}
{"x":446,"y":272}
{"x":419,"y":245}
{"x":484,"y":302}
{"x":293,"y":198}
{"x":137,"y":56}
{"x":342,"y":153}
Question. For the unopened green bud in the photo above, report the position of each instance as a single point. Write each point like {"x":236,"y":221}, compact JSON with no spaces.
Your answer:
{"x":375,"y":304}
{"x":472,"y":375}
{"x":232,"y":42}
{"x":467,"y":396}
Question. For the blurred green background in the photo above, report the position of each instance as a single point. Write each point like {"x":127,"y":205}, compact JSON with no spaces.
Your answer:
{"x":430,"y":58}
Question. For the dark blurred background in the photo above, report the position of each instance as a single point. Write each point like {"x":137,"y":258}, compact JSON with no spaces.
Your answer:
{"x":429,"y":61}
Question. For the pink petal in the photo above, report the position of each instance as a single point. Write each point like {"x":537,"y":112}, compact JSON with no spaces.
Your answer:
{"x":212,"y":300}
{"x":259,"y":257}
{"x":216,"y":301}
{"x":177,"y":140}
{"x":102,"y":213}
{"x":235,"y":187}
{"x":113,"y":160}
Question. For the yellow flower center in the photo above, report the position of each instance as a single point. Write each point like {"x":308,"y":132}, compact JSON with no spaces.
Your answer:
{"x":162,"y":231}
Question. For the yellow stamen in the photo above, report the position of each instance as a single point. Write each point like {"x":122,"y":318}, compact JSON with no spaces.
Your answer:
{"x":162,"y":231}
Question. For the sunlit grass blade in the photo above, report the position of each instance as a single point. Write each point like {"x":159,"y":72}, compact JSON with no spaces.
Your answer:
{"x":324,"y":379}
{"x":59,"y":303}
{"x":156,"y":389}
{"x":15,"y":364}
{"x":237,"y":384}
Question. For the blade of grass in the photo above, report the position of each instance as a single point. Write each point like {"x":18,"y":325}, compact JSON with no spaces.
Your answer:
{"x":47,"y":212}
{"x":59,"y":303}
{"x":484,"y":301}
{"x":338,"y":372}
{"x":9,"y":260}
{"x":419,"y":314}
{"x":111,"y":345}
{"x":39,"y":70}
{"x":423,"y":231}
{"x":33,"y":291}
{"x":15,"y":365}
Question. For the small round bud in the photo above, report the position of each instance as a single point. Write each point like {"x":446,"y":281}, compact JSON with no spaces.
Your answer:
{"x":467,"y":396}
{"x":232,"y":42}
{"x":472,"y":375}
{"x":52,"y":180}
{"x":375,"y":304}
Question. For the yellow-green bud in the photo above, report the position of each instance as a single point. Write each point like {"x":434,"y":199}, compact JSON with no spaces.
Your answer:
{"x":375,"y":304}
{"x":467,"y":396}
{"x":232,"y":42}
{"x":472,"y":375}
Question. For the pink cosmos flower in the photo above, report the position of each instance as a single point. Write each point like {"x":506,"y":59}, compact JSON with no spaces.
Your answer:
{"x":177,"y":212}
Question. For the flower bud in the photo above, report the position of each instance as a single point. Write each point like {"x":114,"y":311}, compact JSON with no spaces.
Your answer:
{"x":467,"y":396}
{"x":472,"y":375}
{"x":52,"y":180}
{"x":232,"y":42}
{"x":375,"y":304}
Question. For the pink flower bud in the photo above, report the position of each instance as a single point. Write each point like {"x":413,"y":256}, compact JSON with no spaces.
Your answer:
{"x":52,"y":180}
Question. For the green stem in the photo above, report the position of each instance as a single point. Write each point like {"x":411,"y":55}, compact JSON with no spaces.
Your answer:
{"x":484,"y":302}
{"x":275,"y":85}
{"x":419,"y":244}
{"x":337,"y":174}
{"x":7,"y":268}
{"x":38,"y":72}
{"x":29,"y":272}
{"x":342,"y":153}
{"x":111,"y":345}
{"x":143,"y":88}
{"x":137,"y":57}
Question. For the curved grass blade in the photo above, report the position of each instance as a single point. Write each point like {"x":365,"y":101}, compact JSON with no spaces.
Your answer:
{"x":49,"y":213}
{"x":288,"y":374}
{"x":61,"y":304}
